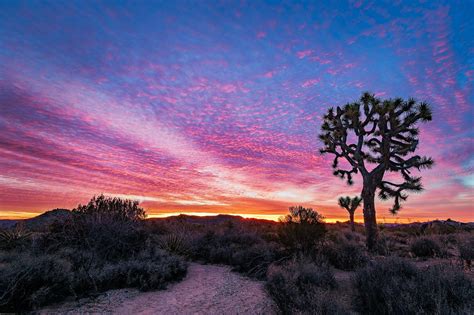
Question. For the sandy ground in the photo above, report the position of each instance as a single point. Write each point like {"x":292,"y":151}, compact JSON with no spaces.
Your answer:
{"x":207,"y":289}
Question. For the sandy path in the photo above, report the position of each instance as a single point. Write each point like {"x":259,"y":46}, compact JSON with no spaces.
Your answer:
{"x":207,"y":289}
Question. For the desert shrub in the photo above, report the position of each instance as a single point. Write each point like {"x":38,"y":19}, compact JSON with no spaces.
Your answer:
{"x":152,"y":268}
{"x":7,"y":257}
{"x":28,"y":281}
{"x":144,"y":274}
{"x":446,"y":290}
{"x":383,"y":246}
{"x":449,"y":239}
{"x":108,"y":227}
{"x":354,"y":236}
{"x":247,"y":252}
{"x":174,"y":243}
{"x":466,"y":251}
{"x":345,"y":255}
{"x":425,"y":247}
{"x":32,"y":281}
{"x":109,"y":241}
{"x":301,"y":287}
{"x":106,"y":209}
{"x":254,"y":260}
{"x":302,"y":230}
{"x":219,"y":248}
{"x":15,"y":238}
{"x":395,"y":286}
{"x":101,"y":246}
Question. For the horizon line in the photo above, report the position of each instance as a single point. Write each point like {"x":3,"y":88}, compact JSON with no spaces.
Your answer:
{"x":271,"y":217}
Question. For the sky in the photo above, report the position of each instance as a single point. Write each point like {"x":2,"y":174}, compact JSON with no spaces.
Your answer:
{"x":215,"y":106}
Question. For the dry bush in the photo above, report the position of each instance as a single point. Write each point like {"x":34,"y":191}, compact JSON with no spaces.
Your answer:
{"x":31,"y":281}
{"x":101,"y":246}
{"x":426,"y":247}
{"x":110,"y":228}
{"x":246,"y":251}
{"x":28,"y":281}
{"x":344,"y":254}
{"x":301,"y":231}
{"x":395,"y":286}
{"x":466,"y":251}
{"x":109,"y":241}
{"x":146,"y":272}
{"x":299,"y":286}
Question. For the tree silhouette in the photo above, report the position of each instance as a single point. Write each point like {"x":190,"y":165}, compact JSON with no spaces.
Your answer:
{"x":350,"y":204}
{"x":374,"y":137}
{"x":302,"y":229}
{"x":103,"y":208}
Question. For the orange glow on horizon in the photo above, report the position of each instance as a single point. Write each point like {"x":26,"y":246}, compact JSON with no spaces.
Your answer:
{"x":19,"y":215}
{"x":276,"y":217}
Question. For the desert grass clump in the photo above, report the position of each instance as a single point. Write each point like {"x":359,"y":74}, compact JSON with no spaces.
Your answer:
{"x":299,"y":286}
{"x":395,"y":286}
{"x":426,"y":247}
{"x":15,"y":238}
{"x":174,"y":243}
{"x":31,"y":281}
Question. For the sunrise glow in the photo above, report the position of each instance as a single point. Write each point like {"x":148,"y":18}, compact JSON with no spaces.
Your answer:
{"x":215,"y":107}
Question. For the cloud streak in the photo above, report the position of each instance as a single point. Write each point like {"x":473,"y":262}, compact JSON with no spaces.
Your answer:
{"x":220,"y":114}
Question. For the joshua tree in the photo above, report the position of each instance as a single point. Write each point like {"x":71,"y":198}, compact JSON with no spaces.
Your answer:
{"x":373,"y":137}
{"x":350,"y":204}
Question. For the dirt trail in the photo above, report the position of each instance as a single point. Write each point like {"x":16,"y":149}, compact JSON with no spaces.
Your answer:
{"x":207,"y":289}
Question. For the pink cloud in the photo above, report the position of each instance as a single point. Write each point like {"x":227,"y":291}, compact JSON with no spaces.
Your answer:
{"x":228,"y":88}
{"x":269,"y":74}
{"x":311,"y":82}
{"x":304,"y":53}
{"x":169,"y":99}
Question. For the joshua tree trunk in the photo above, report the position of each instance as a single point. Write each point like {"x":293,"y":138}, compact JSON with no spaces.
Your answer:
{"x":370,"y":220}
{"x":351,"y":218}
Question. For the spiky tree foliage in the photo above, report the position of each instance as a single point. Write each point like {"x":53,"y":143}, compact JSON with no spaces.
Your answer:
{"x":351,"y":205}
{"x":376,"y":137}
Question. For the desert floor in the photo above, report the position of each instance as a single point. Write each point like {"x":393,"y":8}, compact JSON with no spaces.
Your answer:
{"x":207,"y":289}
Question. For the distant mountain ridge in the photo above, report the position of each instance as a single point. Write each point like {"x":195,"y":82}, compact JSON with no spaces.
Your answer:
{"x":39,"y":222}
{"x":211,"y":219}
{"x":436,"y":226}
{"x":45,"y":219}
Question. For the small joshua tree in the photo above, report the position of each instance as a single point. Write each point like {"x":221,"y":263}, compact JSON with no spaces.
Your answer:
{"x":374,"y":137}
{"x":350,"y":204}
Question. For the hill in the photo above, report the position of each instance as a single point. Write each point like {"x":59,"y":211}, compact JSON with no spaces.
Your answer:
{"x":212,"y":219}
{"x":45,"y":219}
{"x":39,"y":222}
